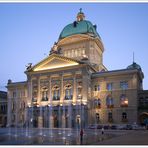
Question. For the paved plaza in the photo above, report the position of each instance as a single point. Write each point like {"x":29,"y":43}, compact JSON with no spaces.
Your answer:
{"x":46,"y":136}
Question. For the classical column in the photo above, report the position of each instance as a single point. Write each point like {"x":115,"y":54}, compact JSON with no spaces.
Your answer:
{"x":74,"y":90}
{"x":62,"y":96}
{"x":29,"y":83}
{"x":39,"y":95}
{"x":9,"y":113}
{"x":50,"y":91}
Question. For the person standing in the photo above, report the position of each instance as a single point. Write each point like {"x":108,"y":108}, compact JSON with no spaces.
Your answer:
{"x":81,"y":136}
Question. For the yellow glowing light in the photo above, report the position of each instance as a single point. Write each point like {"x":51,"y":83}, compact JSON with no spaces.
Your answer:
{"x":84,"y":103}
{"x":126,"y":101}
{"x":29,"y":104}
{"x":61,"y":104}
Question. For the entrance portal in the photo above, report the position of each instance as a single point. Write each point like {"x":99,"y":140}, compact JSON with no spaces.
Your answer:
{"x":144,"y":118}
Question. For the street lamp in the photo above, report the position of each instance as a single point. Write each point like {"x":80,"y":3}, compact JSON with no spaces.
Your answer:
{"x":81,"y":114}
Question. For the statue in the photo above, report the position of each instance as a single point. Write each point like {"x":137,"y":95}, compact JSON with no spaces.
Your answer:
{"x":29,"y":66}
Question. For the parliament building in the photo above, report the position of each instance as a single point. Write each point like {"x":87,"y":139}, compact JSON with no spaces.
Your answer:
{"x":72,"y":87}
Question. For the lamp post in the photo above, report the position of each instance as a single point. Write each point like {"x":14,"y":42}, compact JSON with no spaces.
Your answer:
{"x":81,"y":115}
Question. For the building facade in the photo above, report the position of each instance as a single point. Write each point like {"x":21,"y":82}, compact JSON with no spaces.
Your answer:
{"x":3,"y":108}
{"x":72,"y":87}
{"x":143,"y":107}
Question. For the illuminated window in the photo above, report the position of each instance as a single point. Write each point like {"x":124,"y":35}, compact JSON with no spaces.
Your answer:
{"x":123,"y":101}
{"x":56,"y":93}
{"x":109,"y":101}
{"x":44,"y":94}
{"x":68,"y":92}
{"x":109,"y":86}
{"x":124,"y":85}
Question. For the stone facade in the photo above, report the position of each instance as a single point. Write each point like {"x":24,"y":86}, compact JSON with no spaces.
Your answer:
{"x":3,"y":108}
{"x":72,"y":87}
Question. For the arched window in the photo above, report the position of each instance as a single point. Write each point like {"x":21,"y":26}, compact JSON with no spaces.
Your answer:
{"x":124,"y":117}
{"x":109,"y":101}
{"x":97,"y":103}
{"x":68,"y":92}
{"x":44,"y":94}
{"x":123,"y":101}
{"x":56,"y":93}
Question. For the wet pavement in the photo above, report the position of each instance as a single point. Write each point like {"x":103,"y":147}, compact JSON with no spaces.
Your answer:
{"x":46,"y":136}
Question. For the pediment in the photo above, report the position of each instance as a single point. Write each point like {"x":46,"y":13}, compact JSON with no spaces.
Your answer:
{"x":53,"y":62}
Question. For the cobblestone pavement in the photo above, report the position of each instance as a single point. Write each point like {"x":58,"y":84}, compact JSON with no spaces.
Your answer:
{"x":133,"y":137}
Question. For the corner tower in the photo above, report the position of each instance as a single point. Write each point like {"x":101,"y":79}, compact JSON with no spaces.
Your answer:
{"x":81,"y":41}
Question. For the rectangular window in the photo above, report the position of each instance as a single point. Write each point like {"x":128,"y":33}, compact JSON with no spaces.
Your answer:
{"x":124,"y":85}
{"x":109,"y":86}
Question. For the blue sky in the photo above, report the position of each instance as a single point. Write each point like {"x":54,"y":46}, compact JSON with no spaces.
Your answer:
{"x":28,"y":31}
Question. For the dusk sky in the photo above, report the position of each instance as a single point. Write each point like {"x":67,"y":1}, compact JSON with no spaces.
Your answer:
{"x":28,"y":31}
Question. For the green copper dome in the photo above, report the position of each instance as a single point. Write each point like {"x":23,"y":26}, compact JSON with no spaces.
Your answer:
{"x":79,"y":27}
{"x":134,"y":66}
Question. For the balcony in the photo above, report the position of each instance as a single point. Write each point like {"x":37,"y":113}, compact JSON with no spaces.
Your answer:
{"x":79,"y":96}
{"x":56,"y":98}
{"x":69,"y":97}
{"x":45,"y":99}
{"x":34,"y":99}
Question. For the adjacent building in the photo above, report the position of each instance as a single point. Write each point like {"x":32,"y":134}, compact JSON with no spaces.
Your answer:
{"x":72,"y":87}
{"x":3,"y":108}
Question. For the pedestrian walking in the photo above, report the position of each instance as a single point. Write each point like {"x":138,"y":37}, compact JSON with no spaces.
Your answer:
{"x":81,"y":136}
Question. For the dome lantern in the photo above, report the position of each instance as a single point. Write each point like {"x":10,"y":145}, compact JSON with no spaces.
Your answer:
{"x":80,"y":16}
